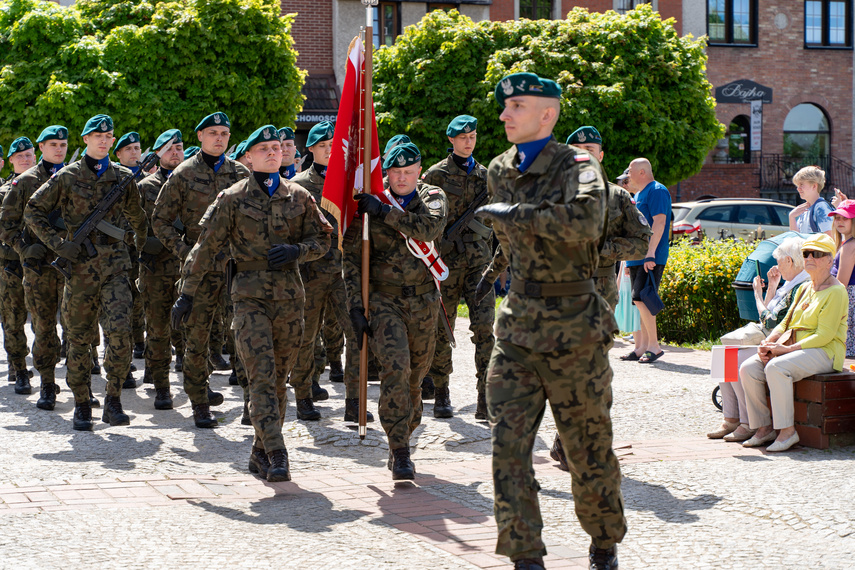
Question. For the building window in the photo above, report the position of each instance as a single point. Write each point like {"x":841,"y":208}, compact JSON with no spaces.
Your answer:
{"x":386,"y":23}
{"x":739,"y":140}
{"x":732,"y":22}
{"x":806,"y":132}
{"x":624,"y":6}
{"x":536,"y":9}
{"x":828,"y":23}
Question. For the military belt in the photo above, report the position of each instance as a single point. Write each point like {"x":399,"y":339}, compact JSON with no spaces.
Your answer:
{"x":607,"y":271}
{"x":406,"y":291}
{"x":262,"y":265}
{"x":566,"y":289}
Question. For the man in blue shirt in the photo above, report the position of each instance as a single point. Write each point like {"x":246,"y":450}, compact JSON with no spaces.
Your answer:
{"x":654,"y":202}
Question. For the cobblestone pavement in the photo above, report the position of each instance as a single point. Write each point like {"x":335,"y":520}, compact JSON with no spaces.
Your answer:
{"x":161,"y":493}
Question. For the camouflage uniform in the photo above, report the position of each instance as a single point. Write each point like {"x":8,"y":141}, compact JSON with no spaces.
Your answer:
{"x":268,"y":304}
{"x":403,"y":305}
{"x":157,"y":285}
{"x":324,"y":288}
{"x":12,"y":306}
{"x":465,"y":270}
{"x":551,"y":344}
{"x":185,"y":197}
{"x":42,"y":292}
{"x":99,"y":282}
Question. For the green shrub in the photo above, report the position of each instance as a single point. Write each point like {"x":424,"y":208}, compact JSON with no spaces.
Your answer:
{"x":700,"y":303}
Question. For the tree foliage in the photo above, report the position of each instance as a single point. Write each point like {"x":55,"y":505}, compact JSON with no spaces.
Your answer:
{"x":151,"y":65}
{"x":632,"y":76}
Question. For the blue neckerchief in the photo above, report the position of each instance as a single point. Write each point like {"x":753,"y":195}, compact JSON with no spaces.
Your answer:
{"x":53,"y":168}
{"x":322,"y":170}
{"x":271,"y":182}
{"x":166,"y":173}
{"x":405,"y":200}
{"x":134,"y":169}
{"x":288,"y":172}
{"x":219,"y":162}
{"x":469,"y":164}
{"x":529,"y":151}
{"x":99,"y":167}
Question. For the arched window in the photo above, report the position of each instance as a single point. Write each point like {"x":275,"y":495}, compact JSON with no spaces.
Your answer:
{"x":806,"y":132}
{"x":739,"y":140}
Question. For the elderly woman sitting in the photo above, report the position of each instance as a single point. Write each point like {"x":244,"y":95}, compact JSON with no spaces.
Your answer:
{"x":772,"y":310}
{"x":817,"y":319}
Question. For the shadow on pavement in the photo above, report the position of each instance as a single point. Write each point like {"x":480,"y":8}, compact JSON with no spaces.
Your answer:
{"x":114,"y":451}
{"x":643,"y":496}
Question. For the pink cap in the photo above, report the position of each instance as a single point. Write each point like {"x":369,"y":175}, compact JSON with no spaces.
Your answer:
{"x":846,"y":208}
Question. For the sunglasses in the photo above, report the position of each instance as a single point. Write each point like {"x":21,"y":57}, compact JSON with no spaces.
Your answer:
{"x":815,"y":254}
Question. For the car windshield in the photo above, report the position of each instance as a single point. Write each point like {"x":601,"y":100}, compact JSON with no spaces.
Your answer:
{"x":679,"y":212}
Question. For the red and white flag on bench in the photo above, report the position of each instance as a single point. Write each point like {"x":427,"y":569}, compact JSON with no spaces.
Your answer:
{"x":726,"y":360}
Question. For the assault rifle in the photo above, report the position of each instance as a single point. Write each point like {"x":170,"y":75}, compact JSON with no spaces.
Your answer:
{"x":90,"y":224}
{"x":454,"y":233}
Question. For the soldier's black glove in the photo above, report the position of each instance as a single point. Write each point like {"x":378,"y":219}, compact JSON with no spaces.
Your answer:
{"x":69,"y":250}
{"x":500,"y":211}
{"x":181,"y":310}
{"x":371,"y":205}
{"x":482,"y":290}
{"x":152,"y":246}
{"x":360,"y":325}
{"x":282,"y":254}
{"x":34,"y":251}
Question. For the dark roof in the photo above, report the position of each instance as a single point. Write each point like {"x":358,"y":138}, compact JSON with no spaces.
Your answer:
{"x":321,"y":93}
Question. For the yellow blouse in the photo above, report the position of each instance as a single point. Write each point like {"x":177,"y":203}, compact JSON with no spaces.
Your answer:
{"x":820,"y":320}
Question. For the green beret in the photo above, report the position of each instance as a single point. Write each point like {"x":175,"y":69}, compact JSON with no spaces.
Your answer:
{"x":99,"y":123}
{"x":145,"y":156}
{"x":126,"y":139}
{"x":240,"y":150}
{"x":263,"y":134}
{"x":320,"y":132}
{"x":53,"y":132}
{"x":165,"y":137}
{"x":395,"y":141}
{"x":190,"y":151}
{"x":461,"y":124}
{"x":589,"y":135}
{"x":297,"y":153}
{"x":217,"y":119}
{"x":403,"y":155}
{"x":286,"y":134}
{"x":517,"y":84}
{"x":19,"y":144}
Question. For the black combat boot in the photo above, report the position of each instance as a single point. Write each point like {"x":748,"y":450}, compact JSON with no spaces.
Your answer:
{"x":214,"y":398}
{"x":218,"y":362}
{"x":319,"y":394}
{"x":351,"y":411}
{"x":147,"y":379}
{"x":602,"y":558}
{"x":82,"y":420}
{"x":245,"y":420}
{"x":233,"y":379}
{"x":139,"y":349}
{"x":481,"y":407}
{"x":428,"y":389}
{"x":202,"y":416}
{"x":529,"y":564}
{"x":278,"y":470}
{"x":129,"y":383}
{"x":47,"y":396}
{"x":93,"y":401}
{"x":133,"y":367}
{"x":557,"y":453}
{"x":442,"y":404}
{"x":96,"y":366}
{"x":401,"y":465}
{"x":306,"y":410}
{"x":22,"y":382}
{"x":179,"y":362}
{"x":336,"y":371}
{"x":113,"y":413}
{"x":258,"y":462}
{"x":162,"y":399}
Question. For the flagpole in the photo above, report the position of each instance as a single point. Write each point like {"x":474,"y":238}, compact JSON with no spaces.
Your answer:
{"x":368,"y":43}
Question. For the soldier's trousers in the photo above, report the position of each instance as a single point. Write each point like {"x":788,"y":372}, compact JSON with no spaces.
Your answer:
{"x":403,"y":340}
{"x":158,"y":293}
{"x":607,"y":288}
{"x":322,"y":288}
{"x":461,"y":283}
{"x":14,"y":313}
{"x":42,"y":294}
{"x":577,"y":384}
{"x":197,"y":336}
{"x":333,"y":332}
{"x":138,"y":311}
{"x":87,"y":294}
{"x":267,"y":338}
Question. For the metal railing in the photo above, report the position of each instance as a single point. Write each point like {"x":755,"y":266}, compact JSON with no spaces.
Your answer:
{"x":777,"y":171}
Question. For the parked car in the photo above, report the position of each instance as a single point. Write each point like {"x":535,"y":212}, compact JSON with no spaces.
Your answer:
{"x":738,"y":217}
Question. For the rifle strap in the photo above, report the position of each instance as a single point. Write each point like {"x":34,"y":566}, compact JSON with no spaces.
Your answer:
{"x":479,"y":228}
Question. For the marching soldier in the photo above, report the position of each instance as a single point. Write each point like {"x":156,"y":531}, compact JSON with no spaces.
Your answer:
{"x":323,"y":282}
{"x":159,"y":272}
{"x":98,"y":282}
{"x":185,"y":197}
{"x":553,"y":331}
{"x":190,"y":152}
{"x":239,"y":155}
{"x":463,"y":180}
{"x":13,"y":308}
{"x":403,"y":301}
{"x":269,"y":225}
{"x":42,"y":284}
{"x":288,"y":168}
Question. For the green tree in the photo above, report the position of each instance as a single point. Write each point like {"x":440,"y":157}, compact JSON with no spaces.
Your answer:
{"x":632,"y":76}
{"x":151,"y":65}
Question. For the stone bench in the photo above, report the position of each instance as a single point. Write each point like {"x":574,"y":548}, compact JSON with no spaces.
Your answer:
{"x":825,"y":410}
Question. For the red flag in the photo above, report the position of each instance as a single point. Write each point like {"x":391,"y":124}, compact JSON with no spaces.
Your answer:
{"x":731,"y":364}
{"x":344,"y":172}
